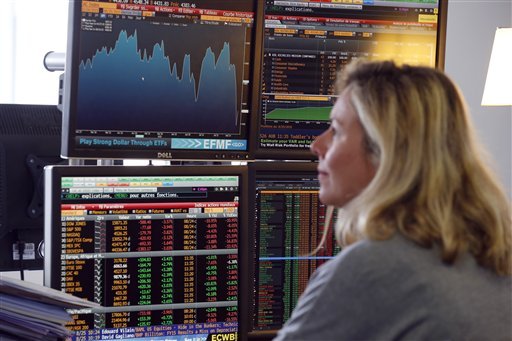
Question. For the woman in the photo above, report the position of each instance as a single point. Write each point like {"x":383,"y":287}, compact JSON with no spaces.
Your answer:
{"x":425,"y":227}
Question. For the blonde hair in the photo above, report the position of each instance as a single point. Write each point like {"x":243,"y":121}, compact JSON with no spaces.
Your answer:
{"x":431,"y":184}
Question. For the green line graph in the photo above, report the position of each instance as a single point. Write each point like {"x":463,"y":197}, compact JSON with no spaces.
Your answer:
{"x":300,"y":114}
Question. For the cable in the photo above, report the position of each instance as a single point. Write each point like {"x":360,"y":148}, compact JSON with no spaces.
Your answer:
{"x":21,"y":251}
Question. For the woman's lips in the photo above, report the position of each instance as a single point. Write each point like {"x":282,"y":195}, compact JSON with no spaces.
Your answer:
{"x":321,"y":173}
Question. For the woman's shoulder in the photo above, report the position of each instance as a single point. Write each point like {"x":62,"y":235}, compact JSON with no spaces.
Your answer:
{"x":391,"y":261}
{"x":399,"y":259}
{"x":394,"y":251}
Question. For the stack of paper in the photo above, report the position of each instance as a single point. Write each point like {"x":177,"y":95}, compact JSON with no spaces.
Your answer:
{"x":34,"y":312}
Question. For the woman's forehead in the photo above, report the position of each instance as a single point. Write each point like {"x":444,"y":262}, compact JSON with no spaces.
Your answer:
{"x":343,"y":109}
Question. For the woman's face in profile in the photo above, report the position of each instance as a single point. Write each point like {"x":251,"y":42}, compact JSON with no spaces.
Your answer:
{"x":344,"y":168}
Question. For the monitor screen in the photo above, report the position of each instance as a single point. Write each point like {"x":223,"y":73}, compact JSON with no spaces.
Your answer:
{"x":152,"y":79}
{"x":29,"y":140}
{"x":287,"y":226}
{"x":306,"y":42}
{"x":160,"y":248}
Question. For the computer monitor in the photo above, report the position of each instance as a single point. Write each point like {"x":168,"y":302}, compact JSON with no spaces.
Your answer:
{"x":154,"y":79}
{"x":287,"y":226}
{"x":29,"y":140}
{"x":162,"y":249}
{"x":306,"y":42}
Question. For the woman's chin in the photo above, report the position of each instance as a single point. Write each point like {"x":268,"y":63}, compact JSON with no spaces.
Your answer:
{"x":325,"y":198}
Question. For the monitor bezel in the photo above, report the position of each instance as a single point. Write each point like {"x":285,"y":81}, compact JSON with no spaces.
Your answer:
{"x":52,"y":222}
{"x":69,"y":149}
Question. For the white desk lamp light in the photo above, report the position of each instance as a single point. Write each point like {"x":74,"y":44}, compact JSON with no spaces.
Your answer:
{"x":498,"y":85}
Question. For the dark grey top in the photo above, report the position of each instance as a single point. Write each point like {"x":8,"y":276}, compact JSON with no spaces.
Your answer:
{"x":397,"y":290}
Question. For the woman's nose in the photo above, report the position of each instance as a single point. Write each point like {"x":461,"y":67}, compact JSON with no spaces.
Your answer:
{"x":317,"y":146}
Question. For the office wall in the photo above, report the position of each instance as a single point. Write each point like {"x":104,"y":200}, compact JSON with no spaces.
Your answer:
{"x":470,"y":34}
{"x":28,"y":30}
